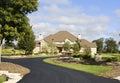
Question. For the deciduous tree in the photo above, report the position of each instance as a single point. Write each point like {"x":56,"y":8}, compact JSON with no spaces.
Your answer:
{"x":99,"y":42}
{"x":13,"y":18}
{"x":111,"y":45}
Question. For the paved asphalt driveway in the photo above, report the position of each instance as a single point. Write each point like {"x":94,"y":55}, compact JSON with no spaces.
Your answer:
{"x":45,"y":73}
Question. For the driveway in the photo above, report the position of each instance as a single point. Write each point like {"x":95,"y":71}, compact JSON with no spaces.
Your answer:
{"x":45,"y":73}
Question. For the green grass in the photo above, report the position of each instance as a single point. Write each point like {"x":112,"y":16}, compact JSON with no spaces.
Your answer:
{"x":108,"y":55}
{"x":112,"y":56}
{"x":2,"y":79}
{"x":94,"y":69}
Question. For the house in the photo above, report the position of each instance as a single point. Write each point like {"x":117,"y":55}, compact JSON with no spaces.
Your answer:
{"x":59,"y":40}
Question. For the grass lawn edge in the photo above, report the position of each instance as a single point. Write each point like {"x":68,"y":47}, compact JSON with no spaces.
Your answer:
{"x":93,"y":69}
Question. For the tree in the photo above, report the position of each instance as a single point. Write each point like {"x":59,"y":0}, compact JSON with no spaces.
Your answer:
{"x":119,"y":46}
{"x":52,"y":48}
{"x":66,"y":46}
{"x":87,"y":50}
{"x":119,"y":43}
{"x":99,"y":43}
{"x":9,"y":45}
{"x":76,"y":46}
{"x":111,"y":45}
{"x":13,"y":18}
{"x":26,"y":41}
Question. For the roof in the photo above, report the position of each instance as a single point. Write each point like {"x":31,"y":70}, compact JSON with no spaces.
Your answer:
{"x":61,"y":36}
{"x":85,"y":43}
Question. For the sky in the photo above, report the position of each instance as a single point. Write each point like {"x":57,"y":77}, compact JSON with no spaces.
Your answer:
{"x":92,"y":19}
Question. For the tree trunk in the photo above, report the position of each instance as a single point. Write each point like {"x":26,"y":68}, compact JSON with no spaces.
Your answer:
{"x":0,"y":50}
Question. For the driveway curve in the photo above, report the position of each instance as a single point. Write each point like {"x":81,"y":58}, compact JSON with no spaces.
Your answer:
{"x":46,"y":73}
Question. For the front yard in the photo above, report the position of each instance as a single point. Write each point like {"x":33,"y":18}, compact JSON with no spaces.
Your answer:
{"x":94,"y":69}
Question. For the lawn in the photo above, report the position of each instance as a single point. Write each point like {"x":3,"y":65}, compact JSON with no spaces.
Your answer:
{"x":111,"y":56}
{"x":94,"y":69}
{"x":108,"y":55}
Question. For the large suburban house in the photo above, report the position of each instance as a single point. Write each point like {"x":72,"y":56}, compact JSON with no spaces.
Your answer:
{"x":59,"y":40}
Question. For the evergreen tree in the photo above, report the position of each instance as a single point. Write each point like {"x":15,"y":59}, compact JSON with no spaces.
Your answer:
{"x":26,"y":41}
{"x":76,"y":46}
{"x":66,"y":46}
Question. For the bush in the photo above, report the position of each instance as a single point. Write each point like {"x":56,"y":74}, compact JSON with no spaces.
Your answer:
{"x":3,"y":78}
{"x":86,"y":56}
{"x":77,"y":56}
{"x":118,"y":58}
{"x":7,"y":51}
{"x":110,"y":59}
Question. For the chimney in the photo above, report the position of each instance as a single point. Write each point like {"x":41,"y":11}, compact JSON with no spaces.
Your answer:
{"x":79,"y":36}
{"x":40,"y":37}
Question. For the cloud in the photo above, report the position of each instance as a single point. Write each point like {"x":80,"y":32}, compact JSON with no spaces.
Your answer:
{"x":54,"y":9}
{"x":53,"y":18}
{"x":90,"y":33}
{"x":63,"y":2}
{"x":44,"y":28}
{"x":57,"y":14}
{"x":81,"y":19}
{"x":117,"y":12}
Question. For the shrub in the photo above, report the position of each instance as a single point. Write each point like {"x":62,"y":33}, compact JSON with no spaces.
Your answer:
{"x":77,"y":56}
{"x":3,"y":78}
{"x":110,"y":59}
{"x":87,"y":51}
{"x":86,"y":56}
{"x":83,"y":56}
{"x":118,"y":58}
{"x":7,"y":51}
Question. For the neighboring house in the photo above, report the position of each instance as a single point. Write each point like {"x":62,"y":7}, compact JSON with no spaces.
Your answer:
{"x":59,"y":39}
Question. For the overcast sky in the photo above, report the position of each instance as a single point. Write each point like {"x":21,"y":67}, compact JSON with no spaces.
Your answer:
{"x":90,"y":18}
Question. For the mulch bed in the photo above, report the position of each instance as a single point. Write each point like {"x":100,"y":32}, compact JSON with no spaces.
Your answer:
{"x":14,"y":68}
{"x":115,"y":72}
